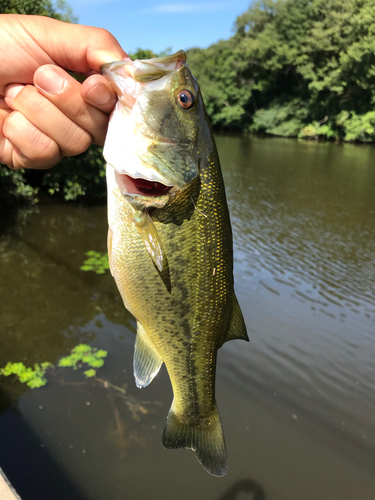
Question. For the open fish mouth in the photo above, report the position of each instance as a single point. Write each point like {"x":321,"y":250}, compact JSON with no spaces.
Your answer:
{"x":140,"y":187}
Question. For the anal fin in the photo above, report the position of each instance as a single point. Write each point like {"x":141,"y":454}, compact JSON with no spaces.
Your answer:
{"x":147,"y":361}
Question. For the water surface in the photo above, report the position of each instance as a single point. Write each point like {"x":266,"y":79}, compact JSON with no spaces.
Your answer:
{"x":297,"y":403}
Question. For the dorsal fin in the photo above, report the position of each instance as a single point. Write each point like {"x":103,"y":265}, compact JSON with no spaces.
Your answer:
{"x":237,"y":328}
{"x":147,"y":361}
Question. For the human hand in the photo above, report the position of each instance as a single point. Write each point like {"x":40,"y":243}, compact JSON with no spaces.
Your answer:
{"x":45,"y":113}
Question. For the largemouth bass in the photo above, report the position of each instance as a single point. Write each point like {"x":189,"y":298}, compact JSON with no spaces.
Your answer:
{"x":170,"y":243}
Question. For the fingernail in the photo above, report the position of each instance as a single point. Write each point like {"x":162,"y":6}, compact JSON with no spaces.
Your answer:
{"x":49,"y":80}
{"x":106,"y":57}
{"x":13,"y":90}
{"x":99,"y":94}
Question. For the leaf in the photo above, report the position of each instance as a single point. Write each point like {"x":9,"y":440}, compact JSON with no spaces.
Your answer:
{"x":101,"y":353}
{"x":96,"y":363}
{"x":81,"y":348}
{"x":37,"y":382}
{"x":96,"y":262}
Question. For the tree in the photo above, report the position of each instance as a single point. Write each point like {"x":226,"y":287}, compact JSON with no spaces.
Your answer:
{"x":62,"y":11}
{"x":292,"y":61}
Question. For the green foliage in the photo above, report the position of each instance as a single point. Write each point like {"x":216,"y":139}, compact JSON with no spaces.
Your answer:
{"x":148,"y":54}
{"x":60,"y":10}
{"x":77,"y":176}
{"x":142,"y":54}
{"x":14,"y":187}
{"x":227,"y":93}
{"x":358,"y":127}
{"x":317,"y":130}
{"x":84,"y":354}
{"x":279,"y":119}
{"x":32,"y":377}
{"x":317,"y":54}
{"x":96,"y":262}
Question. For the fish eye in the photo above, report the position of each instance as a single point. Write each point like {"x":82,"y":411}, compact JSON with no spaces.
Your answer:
{"x":185,"y":99}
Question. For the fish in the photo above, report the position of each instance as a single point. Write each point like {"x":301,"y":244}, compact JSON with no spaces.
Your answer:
{"x":170,"y":243}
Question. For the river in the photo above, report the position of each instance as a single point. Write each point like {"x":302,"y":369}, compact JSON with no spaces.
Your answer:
{"x":297,"y":402}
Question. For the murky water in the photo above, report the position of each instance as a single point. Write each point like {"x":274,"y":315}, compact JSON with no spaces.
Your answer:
{"x":297,"y":403}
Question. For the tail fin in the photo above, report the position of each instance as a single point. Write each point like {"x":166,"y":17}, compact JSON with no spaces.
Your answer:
{"x":205,"y":437}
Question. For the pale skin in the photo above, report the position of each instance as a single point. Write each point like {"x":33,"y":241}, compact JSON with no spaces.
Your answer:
{"x":45,"y":113}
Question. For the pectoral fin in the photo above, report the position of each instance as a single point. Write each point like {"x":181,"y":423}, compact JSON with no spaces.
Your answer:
{"x":147,"y":361}
{"x":237,"y":328}
{"x":150,"y":238}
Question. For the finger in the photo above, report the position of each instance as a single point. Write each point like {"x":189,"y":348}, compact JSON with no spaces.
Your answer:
{"x":44,"y":115}
{"x":25,"y":146}
{"x":75,"y":47}
{"x":97,"y":91}
{"x":5,"y":145}
{"x":37,"y":40}
{"x":64,"y":92}
{"x":3,"y":104}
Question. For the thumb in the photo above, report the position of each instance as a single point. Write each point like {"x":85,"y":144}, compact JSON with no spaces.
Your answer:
{"x":72,"y":46}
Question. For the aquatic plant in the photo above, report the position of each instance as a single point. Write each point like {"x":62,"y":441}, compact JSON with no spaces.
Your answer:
{"x":34,"y":377}
{"x":96,"y":262}
{"x":84,"y":354}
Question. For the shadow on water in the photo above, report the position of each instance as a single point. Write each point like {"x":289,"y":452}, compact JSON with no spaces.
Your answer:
{"x":253,"y":490}
{"x":14,"y":217}
{"x":29,"y":467}
{"x":6,"y":401}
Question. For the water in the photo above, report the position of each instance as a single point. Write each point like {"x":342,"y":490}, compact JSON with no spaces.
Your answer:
{"x":297,"y":403}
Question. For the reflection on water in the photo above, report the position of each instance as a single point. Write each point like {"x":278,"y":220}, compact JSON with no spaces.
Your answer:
{"x":297,"y":403}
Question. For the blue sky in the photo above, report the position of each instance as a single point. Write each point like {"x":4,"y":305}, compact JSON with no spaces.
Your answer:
{"x":157,"y":25}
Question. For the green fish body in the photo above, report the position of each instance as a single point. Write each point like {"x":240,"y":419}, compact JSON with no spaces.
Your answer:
{"x":170,"y":244}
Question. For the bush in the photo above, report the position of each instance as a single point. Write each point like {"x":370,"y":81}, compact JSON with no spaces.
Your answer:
{"x":14,"y":187}
{"x":358,"y":127}
{"x":280,"y":119}
{"x":77,"y":176}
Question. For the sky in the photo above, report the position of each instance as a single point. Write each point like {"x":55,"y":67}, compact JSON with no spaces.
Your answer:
{"x":159,"y":25}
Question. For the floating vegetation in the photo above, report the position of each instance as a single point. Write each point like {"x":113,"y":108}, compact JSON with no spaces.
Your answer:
{"x":32,"y":377}
{"x":80,"y":355}
{"x":96,"y":262}
{"x":84,"y":354}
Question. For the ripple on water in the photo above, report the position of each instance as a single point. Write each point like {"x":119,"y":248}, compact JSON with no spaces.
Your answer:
{"x":305,"y":250}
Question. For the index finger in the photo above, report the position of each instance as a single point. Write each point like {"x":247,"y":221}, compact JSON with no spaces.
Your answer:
{"x":64,"y":92}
